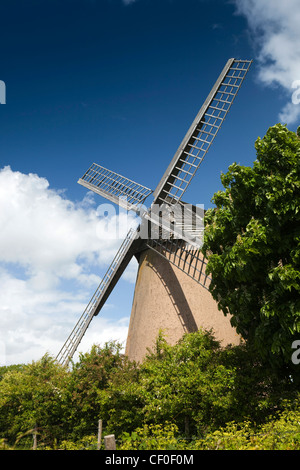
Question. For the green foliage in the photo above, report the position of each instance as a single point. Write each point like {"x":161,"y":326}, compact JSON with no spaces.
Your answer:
{"x":195,"y":385}
{"x":122,"y":402}
{"x":199,"y":386}
{"x":85,"y":443}
{"x":34,"y":394}
{"x":187,"y":382}
{"x":281,"y":432}
{"x":89,"y":377}
{"x":4,"y":369}
{"x":151,"y":437}
{"x":60,"y":402}
{"x":252,"y":239}
{"x":181,"y":397}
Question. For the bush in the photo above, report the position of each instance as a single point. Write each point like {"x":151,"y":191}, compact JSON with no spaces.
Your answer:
{"x":150,"y":437}
{"x":181,"y":397}
{"x":281,"y":432}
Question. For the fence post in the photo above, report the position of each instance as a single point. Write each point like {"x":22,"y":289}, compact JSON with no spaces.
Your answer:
{"x":99,"y":434}
{"x":110,"y":442}
{"x":34,"y":434}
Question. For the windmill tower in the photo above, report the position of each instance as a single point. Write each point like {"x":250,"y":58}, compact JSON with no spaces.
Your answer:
{"x":171,"y":291}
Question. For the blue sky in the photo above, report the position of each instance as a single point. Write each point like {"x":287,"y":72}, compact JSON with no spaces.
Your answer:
{"x":117,"y":83}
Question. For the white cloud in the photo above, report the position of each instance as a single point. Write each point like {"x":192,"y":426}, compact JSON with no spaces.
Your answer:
{"x":275,"y":28}
{"x":51,"y":253}
{"x":42,"y":230}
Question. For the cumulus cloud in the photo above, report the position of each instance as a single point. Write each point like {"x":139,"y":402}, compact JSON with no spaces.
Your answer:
{"x":275,"y":29}
{"x":51,"y":253}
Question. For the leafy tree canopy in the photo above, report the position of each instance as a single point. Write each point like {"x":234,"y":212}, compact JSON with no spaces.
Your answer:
{"x":252,"y":240}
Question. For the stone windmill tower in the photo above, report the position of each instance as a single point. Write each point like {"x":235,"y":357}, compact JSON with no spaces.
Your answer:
{"x":171,"y":291}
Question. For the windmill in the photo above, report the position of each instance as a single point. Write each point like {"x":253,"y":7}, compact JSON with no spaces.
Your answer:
{"x":170,"y":228}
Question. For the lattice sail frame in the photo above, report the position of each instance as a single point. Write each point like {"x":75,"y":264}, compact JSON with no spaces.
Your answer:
{"x":202,"y":133}
{"x":117,"y":188}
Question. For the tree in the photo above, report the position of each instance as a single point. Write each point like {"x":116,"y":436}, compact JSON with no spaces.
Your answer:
{"x":89,"y":377}
{"x":34,"y":394}
{"x":252,"y":241}
{"x":195,"y":385}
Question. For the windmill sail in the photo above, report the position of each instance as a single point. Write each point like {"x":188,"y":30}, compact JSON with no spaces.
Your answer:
{"x":187,"y":258}
{"x":202,"y":133}
{"x":184,"y":165}
{"x":113,"y":274}
{"x":117,"y":188}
